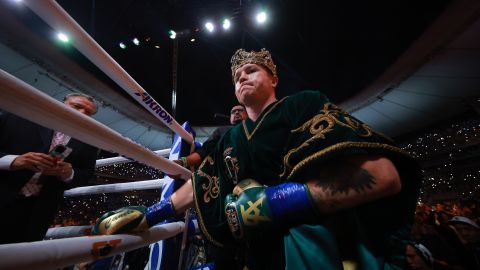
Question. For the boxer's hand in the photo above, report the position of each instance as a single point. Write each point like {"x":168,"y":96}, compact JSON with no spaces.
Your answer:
{"x":252,"y":206}
{"x":128,"y":219}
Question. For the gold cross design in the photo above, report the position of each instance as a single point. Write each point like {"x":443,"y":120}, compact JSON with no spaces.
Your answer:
{"x":252,"y":216}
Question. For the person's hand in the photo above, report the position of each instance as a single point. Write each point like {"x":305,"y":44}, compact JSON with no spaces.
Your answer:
{"x":178,"y":161}
{"x":252,"y":206}
{"x":128,"y":219}
{"x":63,"y":170}
{"x":33,"y":161}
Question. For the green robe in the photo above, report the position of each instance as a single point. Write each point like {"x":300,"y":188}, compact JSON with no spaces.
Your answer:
{"x":290,"y":140}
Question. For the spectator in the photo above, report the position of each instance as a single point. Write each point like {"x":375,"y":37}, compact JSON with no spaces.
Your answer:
{"x":468,"y":246}
{"x":32,"y":181}
{"x":419,"y":257}
{"x":237,"y":115}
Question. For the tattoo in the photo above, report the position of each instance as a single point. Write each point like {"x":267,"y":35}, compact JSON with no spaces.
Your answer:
{"x":343,"y":183}
{"x":345,"y":178}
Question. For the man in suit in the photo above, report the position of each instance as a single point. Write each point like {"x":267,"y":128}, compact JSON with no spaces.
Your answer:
{"x":32,"y":181}
{"x":237,"y":115}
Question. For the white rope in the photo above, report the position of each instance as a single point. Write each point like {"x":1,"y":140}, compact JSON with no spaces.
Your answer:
{"x":25,"y":101}
{"x":58,"y":253}
{"x":58,"y":19}
{"x":76,"y":231}
{"x":119,"y":160}
{"x":67,"y":232}
{"x":112,"y":188}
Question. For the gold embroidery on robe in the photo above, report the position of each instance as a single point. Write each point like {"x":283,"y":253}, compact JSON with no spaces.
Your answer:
{"x":323,"y":123}
{"x":344,"y":145}
{"x":201,"y":222}
{"x":212,"y":188}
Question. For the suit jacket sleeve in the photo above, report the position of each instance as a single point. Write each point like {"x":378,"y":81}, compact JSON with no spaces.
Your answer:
{"x":209,"y":145}
{"x":83,"y":163}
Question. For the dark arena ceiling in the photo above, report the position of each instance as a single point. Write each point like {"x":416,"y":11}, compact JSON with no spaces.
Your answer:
{"x":338,"y":47}
{"x":391,"y":64}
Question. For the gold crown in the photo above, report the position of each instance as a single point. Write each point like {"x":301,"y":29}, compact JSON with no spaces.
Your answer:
{"x":263,"y":57}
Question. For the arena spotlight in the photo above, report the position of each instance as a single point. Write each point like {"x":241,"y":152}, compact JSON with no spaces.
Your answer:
{"x":122,"y":45}
{"x":210,"y":26}
{"x":226,"y":24}
{"x":261,"y":17}
{"x":172,"y":34}
{"x":62,"y":37}
{"x":136,"y":41}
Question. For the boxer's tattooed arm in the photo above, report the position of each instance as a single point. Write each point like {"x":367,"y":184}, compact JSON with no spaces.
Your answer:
{"x":345,"y":183}
{"x":345,"y":179}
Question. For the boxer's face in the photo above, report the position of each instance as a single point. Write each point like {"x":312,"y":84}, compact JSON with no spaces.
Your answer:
{"x":254,"y":84}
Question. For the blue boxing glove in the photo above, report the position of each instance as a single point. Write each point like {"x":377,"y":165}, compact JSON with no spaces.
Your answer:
{"x":133,"y":219}
{"x":253,"y":206}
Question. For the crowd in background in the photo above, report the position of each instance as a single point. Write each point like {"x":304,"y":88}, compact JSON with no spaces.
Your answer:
{"x":450,"y":231}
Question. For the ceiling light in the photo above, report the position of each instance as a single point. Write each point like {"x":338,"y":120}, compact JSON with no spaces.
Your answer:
{"x":192,"y":40}
{"x":156,"y":46}
{"x":122,"y":45}
{"x":172,"y":34}
{"x":210,"y":27}
{"x":261,"y":17}
{"x":136,"y":41}
{"x":226,"y":24}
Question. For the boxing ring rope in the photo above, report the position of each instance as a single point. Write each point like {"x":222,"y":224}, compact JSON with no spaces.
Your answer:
{"x":84,"y":230}
{"x":68,"y":232}
{"x":119,"y":160}
{"x":15,"y":96}
{"x":113,"y":188}
{"x":58,"y":19}
{"x":58,"y":253}
{"x":25,"y":101}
